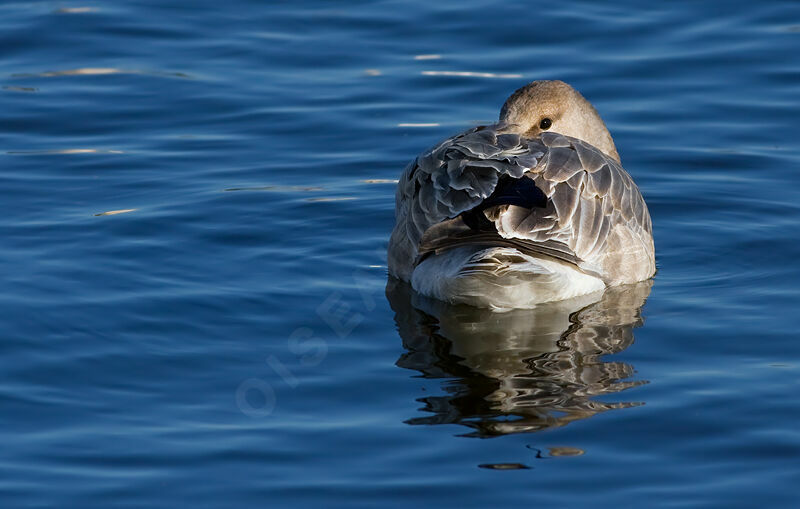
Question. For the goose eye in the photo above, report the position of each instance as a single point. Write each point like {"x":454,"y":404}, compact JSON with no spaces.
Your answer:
{"x":545,"y":124}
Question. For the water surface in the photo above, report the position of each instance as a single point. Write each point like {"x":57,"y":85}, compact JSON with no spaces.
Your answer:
{"x":197,"y":199}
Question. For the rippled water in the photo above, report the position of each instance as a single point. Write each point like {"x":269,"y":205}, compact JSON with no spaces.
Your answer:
{"x":196,"y":203}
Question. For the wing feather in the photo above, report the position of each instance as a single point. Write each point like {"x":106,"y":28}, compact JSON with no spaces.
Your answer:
{"x":592,"y":203}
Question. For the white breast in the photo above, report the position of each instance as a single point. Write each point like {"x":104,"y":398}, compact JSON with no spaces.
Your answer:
{"x":499,"y":278}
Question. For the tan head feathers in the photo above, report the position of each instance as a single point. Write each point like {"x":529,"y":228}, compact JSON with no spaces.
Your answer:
{"x":557,"y":107}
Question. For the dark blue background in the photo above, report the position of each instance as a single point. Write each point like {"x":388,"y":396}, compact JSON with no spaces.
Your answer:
{"x":254,"y":141}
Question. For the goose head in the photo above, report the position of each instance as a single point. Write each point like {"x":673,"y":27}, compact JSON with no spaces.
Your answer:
{"x":554,"y":106}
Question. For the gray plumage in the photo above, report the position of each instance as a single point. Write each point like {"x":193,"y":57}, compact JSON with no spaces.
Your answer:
{"x":534,"y":208}
{"x":595,"y":216}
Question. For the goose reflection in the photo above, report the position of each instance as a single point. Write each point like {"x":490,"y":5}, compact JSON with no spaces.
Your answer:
{"x":521,"y":371}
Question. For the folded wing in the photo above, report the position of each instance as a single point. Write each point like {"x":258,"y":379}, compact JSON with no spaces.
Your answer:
{"x":592,"y":214}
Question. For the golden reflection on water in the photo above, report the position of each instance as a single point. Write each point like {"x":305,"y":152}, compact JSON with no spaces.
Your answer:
{"x":115,"y":212}
{"x":75,"y":10}
{"x":331,"y":198}
{"x":20,"y":89}
{"x":62,"y":151}
{"x":91,"y":71}
{"x":278,"y":189}
{"x":521,"y":371}
{"x":380,"y":181}
{"x":471,"y":74}
{"x":98,"y":71}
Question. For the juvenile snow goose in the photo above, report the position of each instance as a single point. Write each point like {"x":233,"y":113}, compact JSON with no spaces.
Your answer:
{"x":535,"y":208}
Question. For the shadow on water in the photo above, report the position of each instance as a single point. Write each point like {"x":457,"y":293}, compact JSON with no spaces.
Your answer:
{"x":521,"y":371}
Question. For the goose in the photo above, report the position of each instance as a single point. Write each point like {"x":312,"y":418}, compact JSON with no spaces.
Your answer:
{"x":532,"y":209}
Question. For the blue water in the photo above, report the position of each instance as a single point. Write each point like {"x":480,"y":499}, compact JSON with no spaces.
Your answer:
{"x":226,"y":337}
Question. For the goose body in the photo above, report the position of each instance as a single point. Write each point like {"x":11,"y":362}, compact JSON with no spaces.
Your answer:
{"x":533,"y":209}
